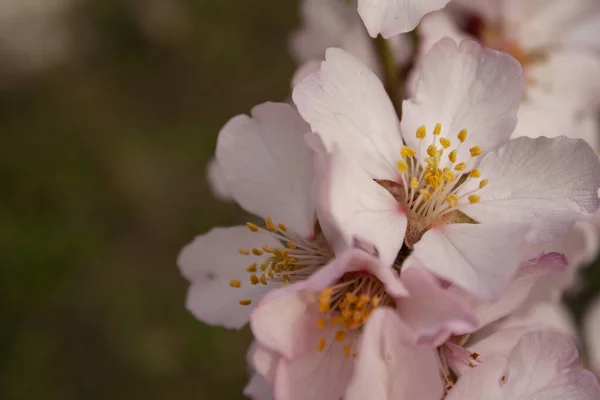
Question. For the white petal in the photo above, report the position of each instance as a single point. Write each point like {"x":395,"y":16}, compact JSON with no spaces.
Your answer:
{"x":267,"y":165}
{"x":530,"y":273}
{"x":580,"y":384}
{"x":361,"y":208}
{"x":480,"y":258}
{"x":591,"y":332}
{"x":210,"y":262}
{"x":585,"y":35}
{"x":258,"y":388}
{"x":548,"y":183}
{"x":467,"y":87}
{"x":263,"y":361}
{"x":480,"y":383}
{"x":390,"y":367}
{"x":216,"y":180}
{"x":345,"y":103}
{"x":392,"y":17}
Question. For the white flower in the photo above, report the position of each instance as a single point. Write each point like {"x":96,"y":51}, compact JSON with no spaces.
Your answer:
{"x":216,"y":180}
{"x":449,"y":164}
{"x":591,"y":333}
{"x":392,"y":17}
{"x":335,"y":23}
{"x":268,"y":170}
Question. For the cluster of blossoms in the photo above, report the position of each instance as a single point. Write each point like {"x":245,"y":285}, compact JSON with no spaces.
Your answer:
{"x":414,"y":249}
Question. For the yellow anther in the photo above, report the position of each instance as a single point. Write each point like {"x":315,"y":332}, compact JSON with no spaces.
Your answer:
{"x":475,"y":173}
{"x":414,"y":182}
{"x":270,"y":225}
{"x":452,"y":156}
{"x":286,"y":279}
{"x":263,"y":266}
{"x":474,"y":199}
{"x":421,"y":131}
{"x":347,"y":350}
{"x":326,"y":294}
{"x":235,"y":283}
{"x":425,"y":193}
{"x":462,"y":135}
{"x":431,"y":162}
{"x":351,"y":297}
{"x":257,"y":252}
{"x":475,"y":151}
{"x":322,"y":344}
{"x":282,"y":227}
{"x":407,"y":152}
{"x":452,"y":199}
{"x":431,"y":150}
{"x":363,"y":299}
{"x":245,"y":302}
{"x":267,"y":249}
{"x":340,"y":336}
{"x":254,"y":279}
{"x":324,"y":307}
{"x":375,"y":302}
{"x":483,"y":183}
{"x":336,"y":320}
{"x":271,"y":274}
{"x":402,"y":166}
{"x":448,"y":176}
{"x":252,"y":227}
{"x":446,"y":143}
{"x":460,"y":166}
{"x":438,"y":129}
{"x":291,"y":244}
{"x":263,"y":279}
{"x":321,"y":323}
{"x":251,"y":268}
{"x":244,"y":252}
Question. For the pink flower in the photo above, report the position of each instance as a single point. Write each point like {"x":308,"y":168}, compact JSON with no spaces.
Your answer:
{"x":447,"y":183}
{"x":542,"y":365}
{"x":333,"y":325}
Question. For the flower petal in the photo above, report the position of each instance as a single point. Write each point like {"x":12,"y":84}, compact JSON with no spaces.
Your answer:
{"x":480,"y":258}
{"x":216,"y":180}
{"x":258,"y":388}
{"x":591,"y":328}
{"x":267,"y":165}
{"x":548,"y":183}
{"x":468,"y":87}
{"x":390,"y":366}
{"x":585,"y":34}
{"x":392,"y":17}
{"x":210,"y":262}
{"x":360,"y":207}
{"x":345,"y":103}
{"x":431,"y":312}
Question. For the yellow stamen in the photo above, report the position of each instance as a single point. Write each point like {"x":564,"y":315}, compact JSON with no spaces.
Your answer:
{"x":291,"y":244}
{"x":347,"y":350}
{"x":475,"y":151}
{"x":254,"y":279}
{"x":322,"y":344}
{"x":321,"y":323}
{"x":475,"y":173}
{"x":414,"y":182}
{"x":402,"y":166}
{"x":244,"y":252}
{"x":425,"y":193}
{"x":251,"y":268}
{"x":460,"y":166}
{"x":340,"y":336}
{"x":324,"y":307}
{"x":452,"y":199}
{"x":448,"y":175}
{"x":421,"y":131}
{"x":286,"y":280}
{"x":407,"y":152}
{"x":257,"y":252}
{"x":282,"y":227}
{"x":452,"y":156}
{"x":267,"y":249}
{"x":438,"y":129}
{"x":474,"y":199}
{"x":431,"y":150}
{"x":462,"y":135}
{"x":483,"y":183}
{"x":252,"y":227}
{"x":263,"y":279}
{"x":375,"y":302}
{"x":245,"y":302}
{"x":270,"y":225}
{"x":445,"y":143}
{"x":235,"y":283}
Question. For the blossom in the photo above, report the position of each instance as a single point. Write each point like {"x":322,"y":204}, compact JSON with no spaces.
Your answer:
{"x":268,"y":170}
{"x":332,"y":23}
{"x":392,"y":17}
{"x":214,"y":176}
{"x":325,"y":328}
{"x":446,"y":184}
{"x":591,"y":329}
{"x":542,"y":365}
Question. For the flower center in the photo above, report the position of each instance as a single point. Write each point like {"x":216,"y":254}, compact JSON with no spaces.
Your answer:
{"x":431,"y":191}
{"x":348,"y":305}
{"x":295,"y":260}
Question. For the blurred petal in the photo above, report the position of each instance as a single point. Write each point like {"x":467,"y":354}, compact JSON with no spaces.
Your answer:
{"x":591,"y":333}
{"x":216,"y":180}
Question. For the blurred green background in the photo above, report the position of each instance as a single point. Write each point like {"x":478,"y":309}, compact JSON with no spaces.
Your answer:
{"x":102,"y":170}
{"x":102,"y":164}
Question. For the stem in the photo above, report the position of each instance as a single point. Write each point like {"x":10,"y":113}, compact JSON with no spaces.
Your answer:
{"x":390,"y":73}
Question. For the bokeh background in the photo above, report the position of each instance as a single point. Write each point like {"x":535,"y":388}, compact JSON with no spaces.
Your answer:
{"x":109,"y":111}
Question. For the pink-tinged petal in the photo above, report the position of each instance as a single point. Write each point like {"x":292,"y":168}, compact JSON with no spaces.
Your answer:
{"x":216,"y":180}
{"x":465,"y":86}
{"x":543,"y":315}
{"x":210,"y":262}
{"x":529,"y":274}
{"x":360,"y":207}
{"x":315,"y":375}
{"x":390,"y":366}
{"x":306,"y":69}
{"x":585,"y":35}
{"x":480,"y":383}
{"x":431,"y":312}
{"x":591,"y":332}
{"x":392,"y":17}
{"x":263,"y":361}
{"x":480,"y":258}
{"x":580,"y":384}
{"x":547,"y":183}
{"x":345,"y":103}
{"x":267,"y":165}
{"x":258,"y":388}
